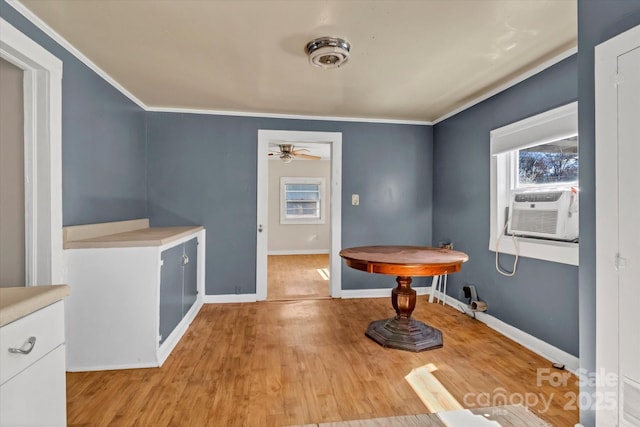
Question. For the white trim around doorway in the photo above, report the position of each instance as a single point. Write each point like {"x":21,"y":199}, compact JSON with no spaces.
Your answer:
{"x":43,"y":154}
{"x":333,"y":138}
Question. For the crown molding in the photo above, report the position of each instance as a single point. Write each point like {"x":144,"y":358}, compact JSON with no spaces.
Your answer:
{"x":286,"y":116}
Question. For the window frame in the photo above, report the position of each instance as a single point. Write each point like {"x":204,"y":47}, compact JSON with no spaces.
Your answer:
{"x":284,"y":219}
{"x":552,"y":125}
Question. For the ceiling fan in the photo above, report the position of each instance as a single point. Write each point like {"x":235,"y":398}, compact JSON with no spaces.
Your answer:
{"x":288,"y":152}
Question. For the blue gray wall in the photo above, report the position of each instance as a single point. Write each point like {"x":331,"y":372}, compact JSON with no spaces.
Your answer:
{"x":104,"y":179}
{"x":202,"y":169}
{"x":542,"y":298}
{"x":598,"y":21}
{"x":103,"y":140}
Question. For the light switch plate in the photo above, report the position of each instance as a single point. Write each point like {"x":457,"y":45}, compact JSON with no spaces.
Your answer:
{"x":355,"y":199}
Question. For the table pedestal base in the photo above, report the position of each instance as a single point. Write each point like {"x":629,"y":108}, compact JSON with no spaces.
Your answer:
{"x":405,"y":334}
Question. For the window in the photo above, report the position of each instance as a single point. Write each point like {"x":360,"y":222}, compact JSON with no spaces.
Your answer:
{"x":550,"y":164}
{"x":301,"y":200}
{"x":540,"y":154}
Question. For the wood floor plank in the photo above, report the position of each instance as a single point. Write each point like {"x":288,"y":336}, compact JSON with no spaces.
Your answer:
{"x":296,"y":277}
{"x":308,"y":362}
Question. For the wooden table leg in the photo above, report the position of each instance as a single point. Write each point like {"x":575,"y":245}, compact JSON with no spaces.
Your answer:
{"x":403,"y":332}
{"x":403,"y":297}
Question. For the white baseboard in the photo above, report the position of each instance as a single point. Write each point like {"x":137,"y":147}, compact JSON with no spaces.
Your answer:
{"x":378,"y":293}
{"x":229,"y":298}
{"x":300,"y":252}
{"x":534,"y":344}
{"x":140,"y":365}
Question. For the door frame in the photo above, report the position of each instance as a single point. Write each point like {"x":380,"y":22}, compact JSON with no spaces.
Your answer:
{"x":43,"y":154}
{"x":335,"y":140}
{"x":607,"y":224}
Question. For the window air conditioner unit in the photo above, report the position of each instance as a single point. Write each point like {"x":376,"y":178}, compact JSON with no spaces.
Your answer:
{"x":545,"y":214}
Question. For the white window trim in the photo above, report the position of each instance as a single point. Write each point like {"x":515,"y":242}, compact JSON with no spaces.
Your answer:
{"x":301,"y":180}
{"x":559,"y":123}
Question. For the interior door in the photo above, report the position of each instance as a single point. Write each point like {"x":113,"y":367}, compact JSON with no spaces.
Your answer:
{"x":617,"y":108}
{"x":629,"y":236}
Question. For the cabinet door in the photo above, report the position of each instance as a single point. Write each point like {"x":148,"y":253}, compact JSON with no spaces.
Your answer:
{"x":37,"y":395}
{"x":170,"y":290}
{"x":190,"y":275}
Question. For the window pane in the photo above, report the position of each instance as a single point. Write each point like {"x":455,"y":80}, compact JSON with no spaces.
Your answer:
{"x":302,"y":192}
{"x":554,"y":162}
{"x":302,"y":187}
{"x":302,"y":195}
{"x":298,"y":209}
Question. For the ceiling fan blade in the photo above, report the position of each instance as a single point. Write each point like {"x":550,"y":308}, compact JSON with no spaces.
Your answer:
{"x":299,"y":151}
{"x":307,"y":156}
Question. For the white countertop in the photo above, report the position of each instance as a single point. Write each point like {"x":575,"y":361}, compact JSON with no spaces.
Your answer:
{"x":122,"y":234}
{"x":20,"y":301}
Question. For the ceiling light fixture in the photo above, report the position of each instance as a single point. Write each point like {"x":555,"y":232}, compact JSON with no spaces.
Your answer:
{"x":328,"y":52}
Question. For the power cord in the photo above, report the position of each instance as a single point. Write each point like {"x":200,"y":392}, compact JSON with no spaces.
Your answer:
{"x":515,"y":244}
{"x":473,"y":313}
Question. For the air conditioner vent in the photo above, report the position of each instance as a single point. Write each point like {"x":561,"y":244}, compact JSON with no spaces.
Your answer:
{"x":538,"y":221}
{"x":538,"y":197}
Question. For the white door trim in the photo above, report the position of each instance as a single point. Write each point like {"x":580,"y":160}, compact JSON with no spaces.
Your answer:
{"x":43,"y":154}
{"x":333,"y":138}
{"x":607,"y":241}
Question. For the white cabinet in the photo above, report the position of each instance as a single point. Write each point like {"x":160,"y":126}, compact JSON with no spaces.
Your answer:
{"x":116,"y":316}
{"x":32,"y":369}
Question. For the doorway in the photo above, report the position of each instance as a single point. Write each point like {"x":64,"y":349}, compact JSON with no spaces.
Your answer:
{"x":42,"y":154}
{"x":312,"y":266}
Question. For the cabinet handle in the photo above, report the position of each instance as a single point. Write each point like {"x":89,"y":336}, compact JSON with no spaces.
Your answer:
{"x":185,"y":260}
{"x":31,"y":342}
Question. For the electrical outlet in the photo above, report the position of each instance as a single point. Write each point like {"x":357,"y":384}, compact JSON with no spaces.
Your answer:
{"x":355,"y":199}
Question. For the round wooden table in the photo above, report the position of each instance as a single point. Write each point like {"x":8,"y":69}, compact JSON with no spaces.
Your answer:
{"x":402,"y":331}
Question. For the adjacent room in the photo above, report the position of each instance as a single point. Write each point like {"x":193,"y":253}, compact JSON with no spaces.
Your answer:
{"x":319,"y":213}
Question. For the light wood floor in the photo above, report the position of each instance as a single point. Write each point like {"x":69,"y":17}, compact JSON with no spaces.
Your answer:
{"x":296,"y":277}
{"x":288,"y":363}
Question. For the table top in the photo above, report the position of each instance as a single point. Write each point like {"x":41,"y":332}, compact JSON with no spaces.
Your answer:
{"x":404,"y":260}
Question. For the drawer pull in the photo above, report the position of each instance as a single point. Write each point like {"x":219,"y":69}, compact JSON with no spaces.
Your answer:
{"x":31,"y":342}
{"x":185,"y":260}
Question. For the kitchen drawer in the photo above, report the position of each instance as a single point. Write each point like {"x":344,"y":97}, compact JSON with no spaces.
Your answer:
{"x":46,"y":325}
{"x":37,"y":396}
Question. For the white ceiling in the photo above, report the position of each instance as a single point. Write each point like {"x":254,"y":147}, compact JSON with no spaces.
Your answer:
{"x":410,"y":60}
